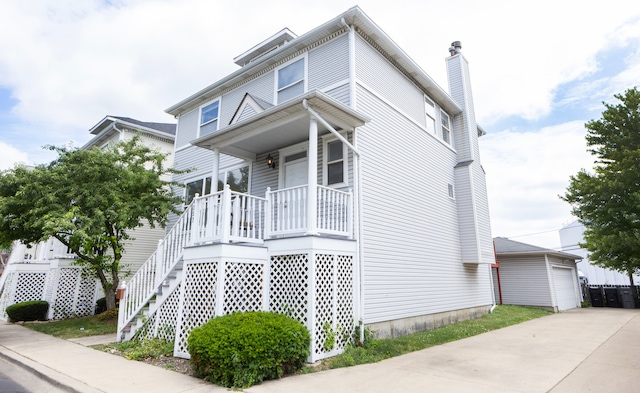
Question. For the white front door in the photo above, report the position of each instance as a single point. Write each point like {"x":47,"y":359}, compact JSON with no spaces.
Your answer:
{"x":296,"y":170}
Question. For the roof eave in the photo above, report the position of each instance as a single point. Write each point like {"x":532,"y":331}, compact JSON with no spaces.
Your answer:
{"x":353,"y":17}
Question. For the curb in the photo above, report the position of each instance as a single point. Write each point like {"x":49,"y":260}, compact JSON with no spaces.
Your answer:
{"x":53,"y":377}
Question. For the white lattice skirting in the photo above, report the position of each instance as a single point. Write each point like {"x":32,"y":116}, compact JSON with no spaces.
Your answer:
{"x":68,"y":292}
{"x":316,"y":287}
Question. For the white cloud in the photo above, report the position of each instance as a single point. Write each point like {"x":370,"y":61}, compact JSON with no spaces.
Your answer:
{"x":10,"y":156}
{"x":525,"y":174}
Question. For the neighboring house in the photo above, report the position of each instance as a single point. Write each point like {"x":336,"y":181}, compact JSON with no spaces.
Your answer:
{"x":353,"y":194}
{"x":528,"y":275}
{"x":45,"y":271}
{"x":570,"y":238}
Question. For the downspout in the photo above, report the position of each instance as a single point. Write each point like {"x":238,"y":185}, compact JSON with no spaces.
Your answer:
{"x":358,"y":180}
{"x":119,"y":130}
{"x":493,"y":292}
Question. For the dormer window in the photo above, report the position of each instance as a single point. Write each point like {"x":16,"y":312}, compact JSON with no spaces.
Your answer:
{"x":290,"y":80}
{"x":209,"y":114}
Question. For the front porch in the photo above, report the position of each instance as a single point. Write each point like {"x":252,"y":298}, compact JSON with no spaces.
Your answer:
{"x":291,"y":250}
{"x":229,"y":216}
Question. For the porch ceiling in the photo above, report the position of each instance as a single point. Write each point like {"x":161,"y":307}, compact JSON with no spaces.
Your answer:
{"x":280,"y":126}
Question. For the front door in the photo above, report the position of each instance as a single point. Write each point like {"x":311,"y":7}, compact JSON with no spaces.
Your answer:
{"x":296,"y":169}
{"x":292,"y":200}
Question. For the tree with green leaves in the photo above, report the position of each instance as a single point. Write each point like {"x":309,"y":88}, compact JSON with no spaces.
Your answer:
{"x":89,"y":200}
{"x":607,"y":200}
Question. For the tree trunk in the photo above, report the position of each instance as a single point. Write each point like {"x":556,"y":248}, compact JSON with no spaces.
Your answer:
{"x":110,"y":297}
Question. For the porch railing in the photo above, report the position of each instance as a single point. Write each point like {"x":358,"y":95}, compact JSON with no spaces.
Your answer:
{"x":335,"y":211}
{"x":287,"y":211}
{"x":229,"y":216}
{"x":143,"y":284}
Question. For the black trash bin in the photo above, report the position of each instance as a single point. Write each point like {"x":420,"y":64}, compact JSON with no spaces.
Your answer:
{"x":626,"y":298}
{"x":595,"y":293}
{"x":611,"y":294}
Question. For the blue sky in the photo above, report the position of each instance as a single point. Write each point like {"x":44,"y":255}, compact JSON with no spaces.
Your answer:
{"x":538,"y":75}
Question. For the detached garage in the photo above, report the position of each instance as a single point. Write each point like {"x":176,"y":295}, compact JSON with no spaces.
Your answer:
{"x":528,"y":275}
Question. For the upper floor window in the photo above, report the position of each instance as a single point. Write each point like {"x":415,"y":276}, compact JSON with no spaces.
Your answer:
{"x":290,"y":80}
{"x":335,"y":163}
{"x":430,"y":109}
{"x":209,"y":116}
{"x":438,"y":122}
{"x":446,"y":127}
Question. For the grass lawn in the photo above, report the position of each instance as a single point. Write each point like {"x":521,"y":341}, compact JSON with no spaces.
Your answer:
{"x":378,"y":349}
{"x":75,"y":327}
{"x":373,"y":351}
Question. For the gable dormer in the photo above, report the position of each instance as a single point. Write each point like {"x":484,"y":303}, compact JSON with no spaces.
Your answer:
{"x":270,"y":44}
{"x":248,"y":107}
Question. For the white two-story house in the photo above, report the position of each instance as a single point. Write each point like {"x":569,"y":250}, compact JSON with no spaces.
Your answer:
{"x":333,"y":180}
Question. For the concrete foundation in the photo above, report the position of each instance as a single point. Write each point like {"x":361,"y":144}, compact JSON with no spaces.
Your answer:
{"x":404,"y":326}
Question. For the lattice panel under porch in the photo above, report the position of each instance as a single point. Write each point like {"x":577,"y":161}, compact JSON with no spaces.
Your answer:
{"x":5,"y":299}
{"x":323,"y":319}
{"x":199,"y":301}
{"x":29,"y":287}
{"x":289,"y":289}
{"x":147,"y":331}
{"x":167,"y":316}
{"x":243,"y":287}
{"x":64,"y":306}
{"x":345,"y":323}
{"x":52,"y":280}
{"x":85,"y":304}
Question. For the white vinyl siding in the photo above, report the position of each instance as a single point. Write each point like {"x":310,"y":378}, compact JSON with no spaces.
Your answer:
{"x":340,"y":93}
{"x":329,"y":63}
{"x":143,"y":243}
{"x":524,"y":281}
{"x":187,"y":129}
{"x":410,"y":227}
{"x":377,"y":73}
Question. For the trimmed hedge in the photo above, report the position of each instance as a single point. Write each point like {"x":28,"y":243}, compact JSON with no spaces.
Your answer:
{"x":242,"y":349}
{"x":35,"y":310}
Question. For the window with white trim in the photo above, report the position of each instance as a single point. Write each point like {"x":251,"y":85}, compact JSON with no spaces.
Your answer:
{"x":237,"y":178}
{"x":446,"y":127}
{"x":290,"y":80}
{"x":334,"y":171}
{"x":209,"y":117}
{"x":430,"y":110}
{"x":450,"y":191}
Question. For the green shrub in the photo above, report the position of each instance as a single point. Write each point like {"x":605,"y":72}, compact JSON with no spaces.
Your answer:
{"x":35,"y":310}
{"x":109,"y":315}
{"x":101,"y":305}
{"x":243,"y":349}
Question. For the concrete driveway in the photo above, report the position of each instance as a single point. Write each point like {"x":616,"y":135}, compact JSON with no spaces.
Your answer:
{"x":582,"y":350}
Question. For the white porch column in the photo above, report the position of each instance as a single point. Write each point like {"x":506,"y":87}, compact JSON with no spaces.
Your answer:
{"x":312,"y":195}
{"x":215,"y":170}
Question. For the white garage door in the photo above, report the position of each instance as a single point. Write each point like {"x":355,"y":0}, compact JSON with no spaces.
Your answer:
{"x":564,"y":288}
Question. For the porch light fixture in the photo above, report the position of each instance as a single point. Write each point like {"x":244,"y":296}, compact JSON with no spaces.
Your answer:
{"x":270,"y":162}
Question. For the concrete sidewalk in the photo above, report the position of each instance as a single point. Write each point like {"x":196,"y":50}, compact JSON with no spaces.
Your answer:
{"x":581,"y":350}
